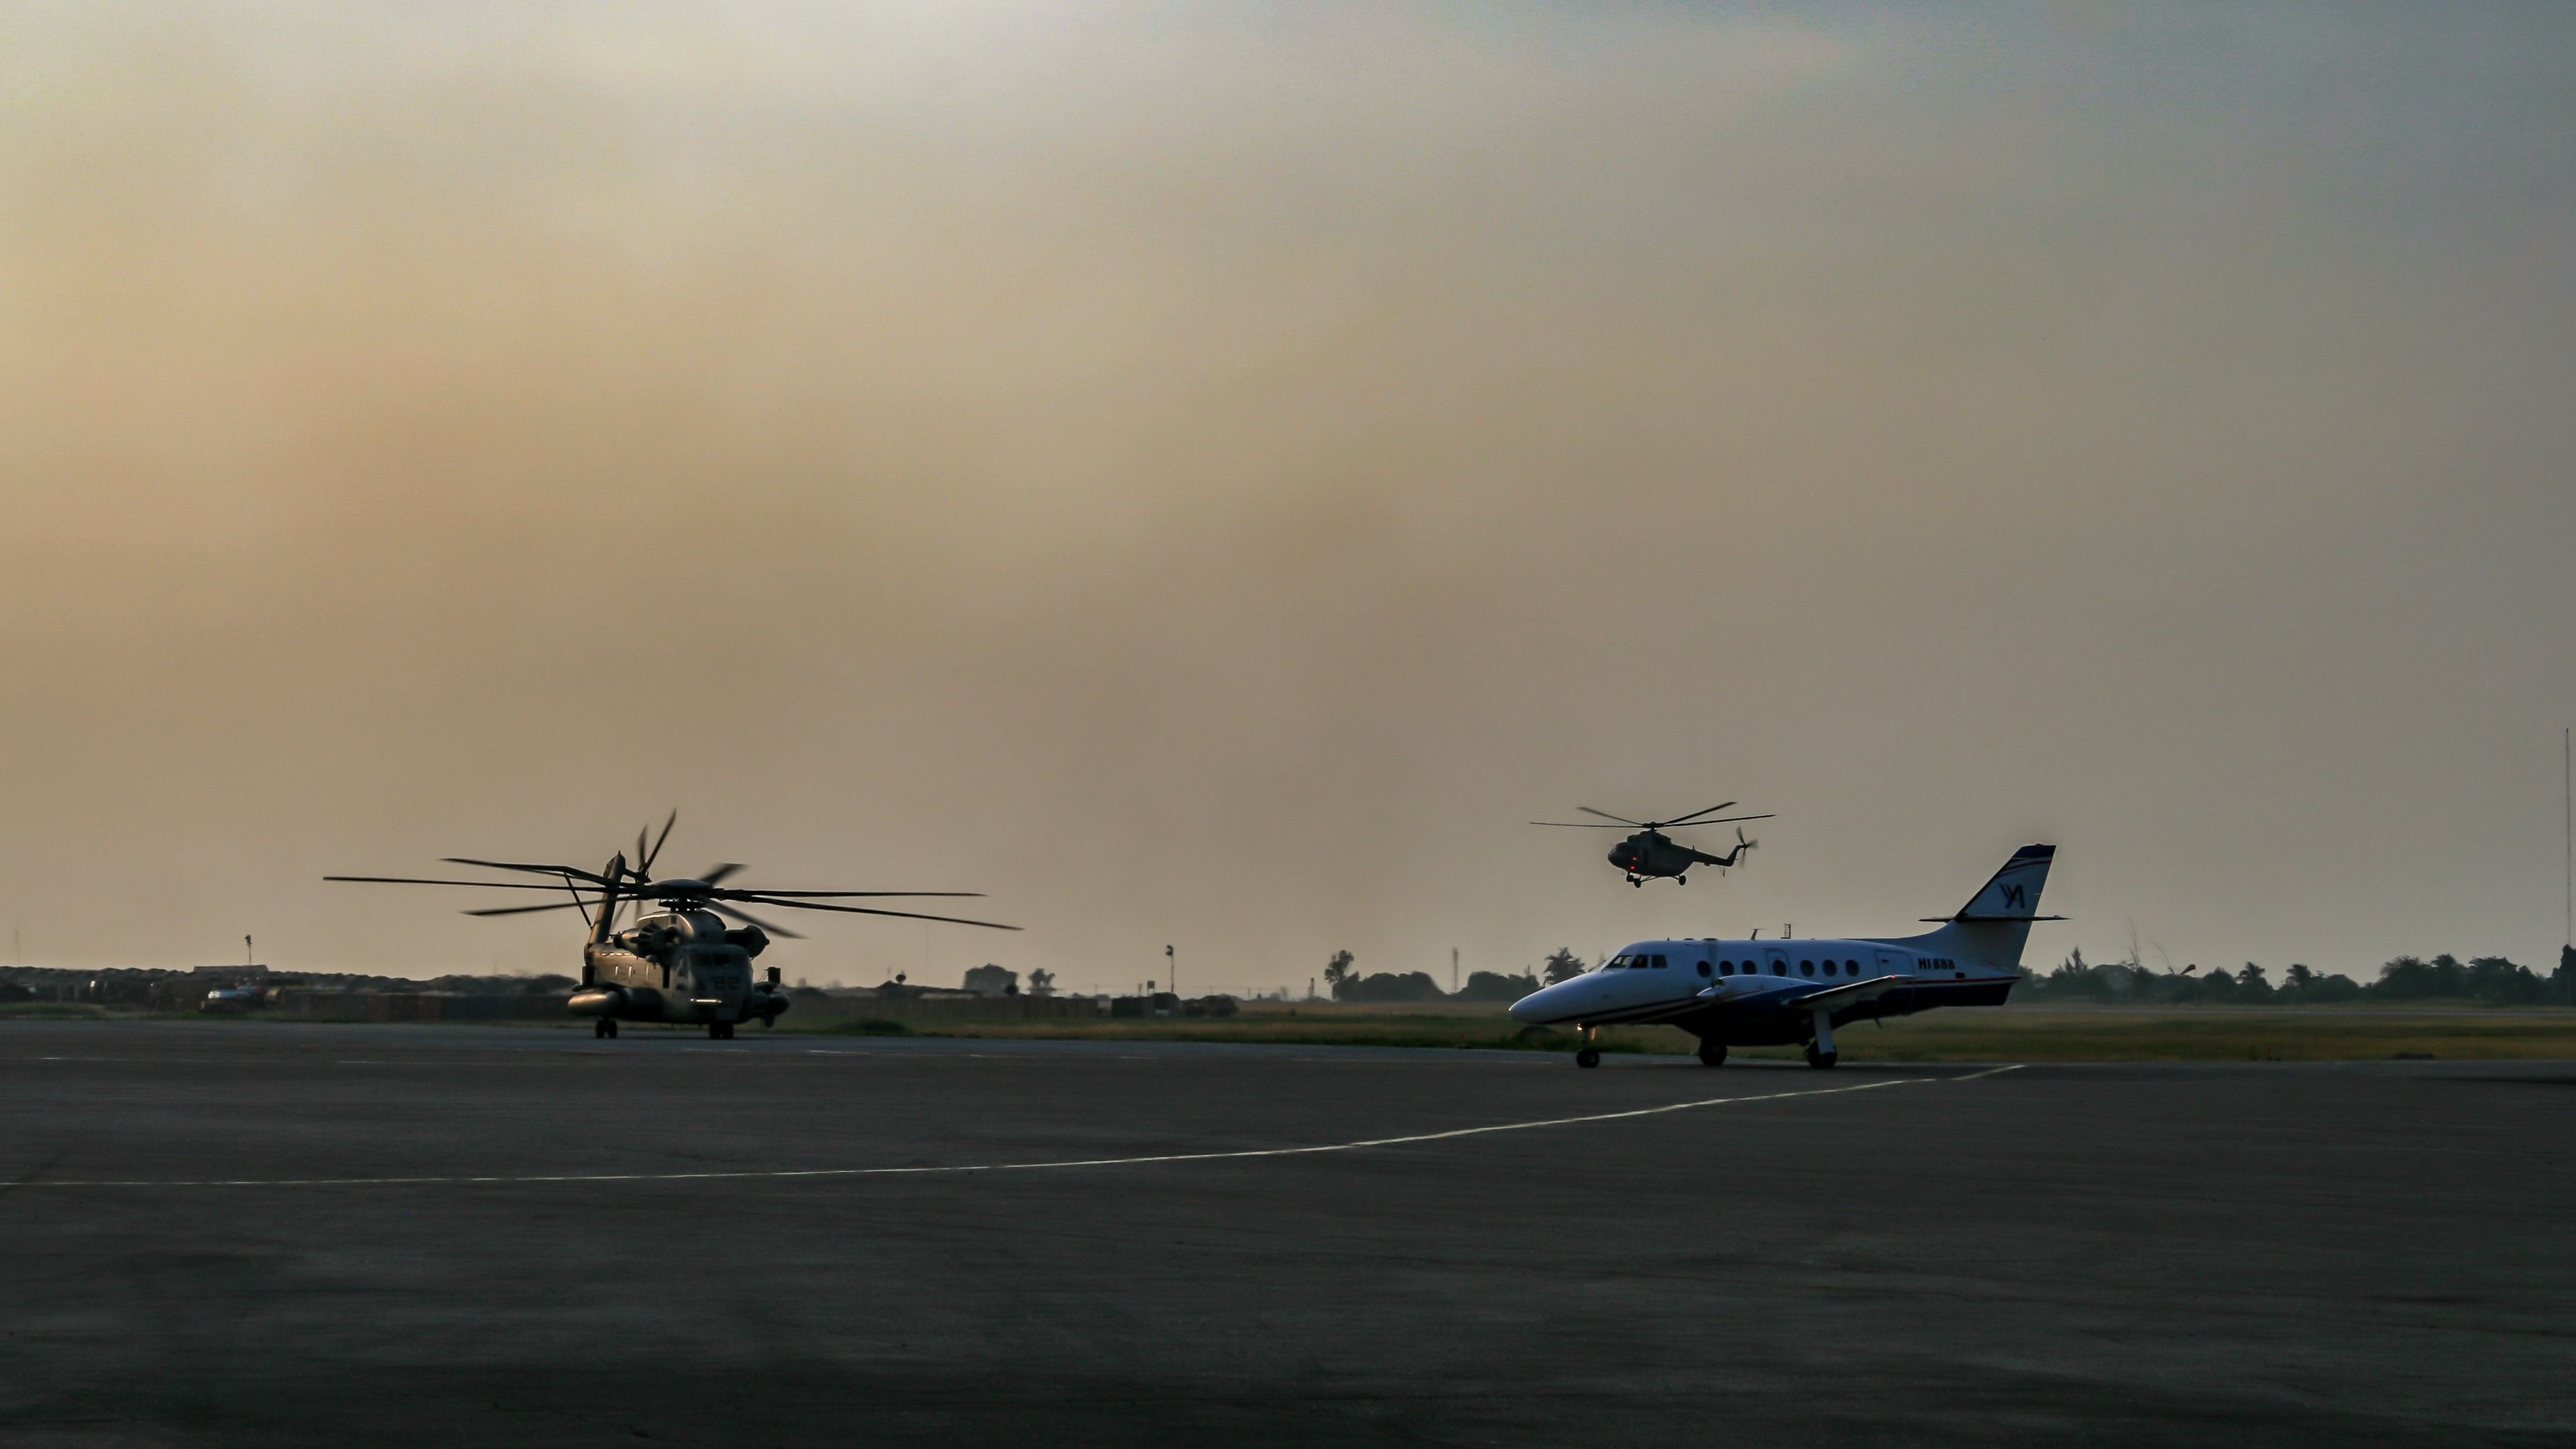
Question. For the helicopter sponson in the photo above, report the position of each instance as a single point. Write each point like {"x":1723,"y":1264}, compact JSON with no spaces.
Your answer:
{"x":684,"y":967}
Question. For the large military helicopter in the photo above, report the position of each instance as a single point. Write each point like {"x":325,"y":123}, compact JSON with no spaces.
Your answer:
{"x":680,"y":964}
{"x":1650,"y":852}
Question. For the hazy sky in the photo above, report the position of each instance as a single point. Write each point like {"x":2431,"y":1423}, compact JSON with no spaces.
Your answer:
{"x":1209,"y":473}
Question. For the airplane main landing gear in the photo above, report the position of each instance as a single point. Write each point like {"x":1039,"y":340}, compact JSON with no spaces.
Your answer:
{"x":1712,"y":1054}
{"x":606,"y":1026}
{"x":1821,"y":1060}
{"x":1820,"y":1047}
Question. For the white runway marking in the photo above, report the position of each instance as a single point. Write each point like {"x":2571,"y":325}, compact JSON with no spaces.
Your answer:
{"x":776,"y":1174}
{"x":1991,"y":1072}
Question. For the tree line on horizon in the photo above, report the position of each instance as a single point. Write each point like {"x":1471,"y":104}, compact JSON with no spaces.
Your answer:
{"x":2481,"y":980}
{"x":1343,"y":975}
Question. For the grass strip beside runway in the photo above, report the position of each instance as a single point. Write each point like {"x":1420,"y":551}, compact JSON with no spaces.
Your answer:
{"x":1963,"y":1035}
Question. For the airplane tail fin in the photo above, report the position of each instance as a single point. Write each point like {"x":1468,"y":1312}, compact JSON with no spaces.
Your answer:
{"x":1991,"y":928}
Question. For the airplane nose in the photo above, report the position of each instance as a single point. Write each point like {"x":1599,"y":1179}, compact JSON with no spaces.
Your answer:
{"x":1535,"y":1006}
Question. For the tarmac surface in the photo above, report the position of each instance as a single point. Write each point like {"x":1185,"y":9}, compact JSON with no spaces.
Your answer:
{"x":236,"y":1233}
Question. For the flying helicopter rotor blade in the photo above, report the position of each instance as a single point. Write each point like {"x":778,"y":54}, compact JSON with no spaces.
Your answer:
{"x":1606,"y":815}
{"x":1578,"y":825}
{"x":489,"y":885}
{"x":869,"y":911}
{"x":576,"y":872}
{"x":747,"y":892}
{"x":1721,"y":820}
{"x":1694,"y":815}
{"x":748,"y":919}
{"x":715,"y":874}
{"x":528,"y":910}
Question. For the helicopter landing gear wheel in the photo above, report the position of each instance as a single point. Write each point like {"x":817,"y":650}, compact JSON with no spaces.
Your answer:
{"x":1638,"y":883}
{"x":719,"y":1031}
{"x":1712,"y":1054}
{"x":1588,"y":1058}
{"x":1681,"y":880}
{"x":1821,"y":1060}
{"x":607,"y":1027}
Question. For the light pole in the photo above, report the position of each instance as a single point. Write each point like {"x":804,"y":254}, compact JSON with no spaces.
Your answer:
{"x":1173,"y":973}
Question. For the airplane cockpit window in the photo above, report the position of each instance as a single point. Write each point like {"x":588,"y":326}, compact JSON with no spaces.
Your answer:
{"x":1614,"y":963}
{"x":1659,"y":961}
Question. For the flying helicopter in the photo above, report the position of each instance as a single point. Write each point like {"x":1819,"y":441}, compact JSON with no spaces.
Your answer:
{"x":681,"y":964}
{"x":1650,"y":852}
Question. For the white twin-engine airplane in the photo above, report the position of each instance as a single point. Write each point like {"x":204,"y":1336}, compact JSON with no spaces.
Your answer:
{"x":1781,"y":993}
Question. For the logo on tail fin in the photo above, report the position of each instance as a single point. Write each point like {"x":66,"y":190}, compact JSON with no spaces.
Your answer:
{"x":2013,"y":893}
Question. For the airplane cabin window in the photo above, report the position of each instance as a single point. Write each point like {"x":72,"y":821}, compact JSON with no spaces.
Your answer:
{"x":1725,"y":968}
{"x":1779,"y":968}
{"x":1806,"y":968}
{"x":1704,"y":969}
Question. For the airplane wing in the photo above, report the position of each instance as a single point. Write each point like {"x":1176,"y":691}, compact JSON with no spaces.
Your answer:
{"x":1832,"y":998}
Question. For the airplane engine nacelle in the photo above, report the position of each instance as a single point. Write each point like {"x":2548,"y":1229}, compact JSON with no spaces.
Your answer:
{"x":603,"y":1001}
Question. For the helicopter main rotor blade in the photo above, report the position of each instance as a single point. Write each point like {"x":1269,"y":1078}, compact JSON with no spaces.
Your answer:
{"x":576,"y":872}
{"x":748,"y":919}
{"x":870,"y":911}
{"x":525,"y":910}
{"x":1577,"y":825}
{"x":1606,"y":815}
{"x":748,"y":891}
{"x":1694,"y":815}
{"x":645,"y":857}
{"x":1721,"y":820}
{"x":715,"y":874}
{"x":489,"y":885}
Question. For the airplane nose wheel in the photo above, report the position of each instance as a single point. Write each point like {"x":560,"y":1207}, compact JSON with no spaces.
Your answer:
{"x":1587,"y":1056}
